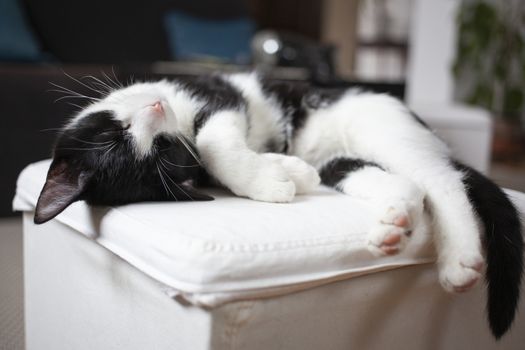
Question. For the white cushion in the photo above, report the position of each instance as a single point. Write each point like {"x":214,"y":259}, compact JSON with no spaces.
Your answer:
{"x":232,"y":248}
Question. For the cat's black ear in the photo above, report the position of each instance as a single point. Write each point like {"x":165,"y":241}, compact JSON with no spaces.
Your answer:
{"x":64,"y":185}
{"x":190,"y":191}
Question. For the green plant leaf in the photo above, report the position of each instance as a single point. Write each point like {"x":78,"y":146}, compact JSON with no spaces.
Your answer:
{"x":491,"y":49}
{"x":482,"y":95}
{"x":513,"y":102}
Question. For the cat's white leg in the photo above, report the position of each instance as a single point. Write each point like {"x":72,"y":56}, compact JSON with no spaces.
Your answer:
{"x":222,"y":147}
{"x":380,"y":129}
{"x":413,"y":151}
{"x":457,"y":239}
{"x":419,"y":156}
{"x":397,"y":204}
{"x":304,"y":175}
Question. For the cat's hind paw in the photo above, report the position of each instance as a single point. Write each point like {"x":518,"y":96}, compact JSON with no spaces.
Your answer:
{"x":392,"y":231}
{"x":461,"y":273}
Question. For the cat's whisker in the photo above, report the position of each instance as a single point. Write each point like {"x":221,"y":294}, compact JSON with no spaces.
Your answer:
{"x":57,"y":90}
{"x":180,"y":166}
{"x":162,"y":163}
{"x":173,"y":182}
{"x":74,"y":93}
{"x":51,"y":129}
{"x":100,"y":83}
{"x":166,"y":187}
{"x":75,"y":105}
{"x":66,"y":97}
{"x":189,"y":148}
{"x":91,"y":142}
{"x":66,"y":92}
{"x":112,"y":82}
{"x":115,"y":75}
{"x":83,"y":84}
{"x":111,"y":147}
{"x":106,"y":90}
{"x":86,"y":148}
{"x":101,"y":93}
{"x":162,"y":180}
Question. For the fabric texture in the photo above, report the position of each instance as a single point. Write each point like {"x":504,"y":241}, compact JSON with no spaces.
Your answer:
{"x":218,"y":251}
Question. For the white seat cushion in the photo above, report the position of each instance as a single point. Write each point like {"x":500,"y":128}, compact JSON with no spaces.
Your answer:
{"x":232,"y":248}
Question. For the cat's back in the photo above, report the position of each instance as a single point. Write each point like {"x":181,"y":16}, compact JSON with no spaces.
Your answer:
{"x":277,"y":109}
{"x":214,"y":90}
{"x":267,"y":116}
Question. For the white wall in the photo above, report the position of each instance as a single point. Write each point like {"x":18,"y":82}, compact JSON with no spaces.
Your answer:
{"x":432,"y":50}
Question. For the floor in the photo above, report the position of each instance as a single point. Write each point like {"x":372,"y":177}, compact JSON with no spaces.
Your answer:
{"x":11,"y":285}
{"x":509,"y":175}
{"x":11,"y":278}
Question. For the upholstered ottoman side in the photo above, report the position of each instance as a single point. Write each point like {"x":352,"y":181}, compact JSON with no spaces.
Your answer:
{"x":79,"y":295}
{"x":123,"y":278}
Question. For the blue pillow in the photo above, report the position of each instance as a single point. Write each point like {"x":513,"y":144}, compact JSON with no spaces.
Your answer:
{"x":196,"y":38}
{"x":17,"y":42}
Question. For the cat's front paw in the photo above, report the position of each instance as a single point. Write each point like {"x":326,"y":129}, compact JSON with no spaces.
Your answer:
{"x":271,"y":184}
{"x":304,"y":175}
{"x":460,"y":273}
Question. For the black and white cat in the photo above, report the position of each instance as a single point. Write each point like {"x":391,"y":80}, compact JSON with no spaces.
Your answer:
{"x":269,"y":141}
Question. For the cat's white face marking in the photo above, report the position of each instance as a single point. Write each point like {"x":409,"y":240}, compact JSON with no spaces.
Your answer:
{"x":144,"y":109}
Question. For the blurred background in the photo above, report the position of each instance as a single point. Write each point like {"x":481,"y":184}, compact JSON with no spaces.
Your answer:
{"x":459,"y":64}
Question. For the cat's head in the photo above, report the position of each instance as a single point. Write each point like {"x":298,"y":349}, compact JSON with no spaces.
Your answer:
{"x":121,"y":149}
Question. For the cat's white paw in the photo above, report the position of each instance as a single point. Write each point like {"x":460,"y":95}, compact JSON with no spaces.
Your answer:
{"x":391,"y":233}
{"x":271,"y":184}
{"x":397,"y":217}
{"x":304,"y":175}
{"x":460,"y":273}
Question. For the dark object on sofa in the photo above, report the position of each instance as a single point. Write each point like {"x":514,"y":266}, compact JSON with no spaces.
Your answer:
{"x":272,"y":48}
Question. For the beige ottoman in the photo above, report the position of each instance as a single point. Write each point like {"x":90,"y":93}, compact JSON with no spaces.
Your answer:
{"x":236,"y":274}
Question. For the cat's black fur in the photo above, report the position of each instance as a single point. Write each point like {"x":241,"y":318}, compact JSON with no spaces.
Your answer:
{"x":95,"y":158}
{"x":218,"y":94}
{"x":337,"y":169}
{"x":295,"y":99}
{"x":290,"y":97}
{"x":503,"y":245}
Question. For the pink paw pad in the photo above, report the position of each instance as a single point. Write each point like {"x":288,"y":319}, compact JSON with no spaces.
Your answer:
{"x":401,"y":221}
{"x":389,"y":245}
{"x":475,"y":265}
{"x":392,"y":238}
{"x":390,"y":235}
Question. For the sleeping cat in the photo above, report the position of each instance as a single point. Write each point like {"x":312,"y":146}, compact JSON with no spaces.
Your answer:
{"x":269,"y":141}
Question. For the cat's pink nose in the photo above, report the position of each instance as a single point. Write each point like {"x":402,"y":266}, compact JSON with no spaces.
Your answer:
{"x":157,"y":107}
